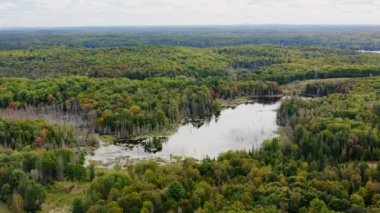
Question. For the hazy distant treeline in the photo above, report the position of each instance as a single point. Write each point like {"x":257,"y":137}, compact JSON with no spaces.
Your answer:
{"x":350,"y":37}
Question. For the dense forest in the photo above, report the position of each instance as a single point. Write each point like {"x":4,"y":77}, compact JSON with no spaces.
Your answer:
{"x":60,"y":90}
{"x":255,"y":62}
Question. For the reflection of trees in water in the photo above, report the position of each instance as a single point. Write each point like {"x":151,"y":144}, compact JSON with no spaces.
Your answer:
{"x":150,"y":144}
{"x":205,"y":120}
{"x":154,"y":145}
{"x":199,"y":122}
{"x":267,"y":100}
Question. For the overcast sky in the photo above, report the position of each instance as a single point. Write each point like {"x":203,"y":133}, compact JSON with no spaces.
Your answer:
{"x":186,"y":12}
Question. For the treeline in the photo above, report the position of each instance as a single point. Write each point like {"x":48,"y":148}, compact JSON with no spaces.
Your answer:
{"x":252,"y":58}
{"x":295,"y":72}
{"x":291,"y":65}
{"x":125,"y":107}
{"x":318,"y":89}
{"x":34,"y":133}
{"x":255,"y":62}
{"x":133,"y":62}
{"x":347,"y":37}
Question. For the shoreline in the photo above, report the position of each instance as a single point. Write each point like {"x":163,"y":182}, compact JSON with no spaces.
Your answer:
{"x":109,"y":144}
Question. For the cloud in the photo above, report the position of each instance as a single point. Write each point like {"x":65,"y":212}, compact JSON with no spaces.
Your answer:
{"x":7,"y":5}
{"x":182,"y":12}
{"x":52,"y":4}
{"x":355,"y":2}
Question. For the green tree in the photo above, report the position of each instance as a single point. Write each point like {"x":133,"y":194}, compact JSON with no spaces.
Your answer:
{"x":33,"y":195}
{"x":78,"y":206}
{"x":176,"y":190}
{"x":357,"y":200}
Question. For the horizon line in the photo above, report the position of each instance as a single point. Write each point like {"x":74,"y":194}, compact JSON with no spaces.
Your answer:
{"x":189,"y":25}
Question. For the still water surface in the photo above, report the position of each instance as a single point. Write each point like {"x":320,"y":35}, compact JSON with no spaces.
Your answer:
{"x":369,"y":51}
{"x":240,"y":128}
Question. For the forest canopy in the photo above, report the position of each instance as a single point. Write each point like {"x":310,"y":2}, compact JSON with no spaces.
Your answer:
{"x":63,"y":89}
{"x":256,"y":62}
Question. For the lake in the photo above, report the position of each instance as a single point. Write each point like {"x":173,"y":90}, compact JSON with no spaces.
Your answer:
{"x":242,"y":127}
{"x":369,"y":51}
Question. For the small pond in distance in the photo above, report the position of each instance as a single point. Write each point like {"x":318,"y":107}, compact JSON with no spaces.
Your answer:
{"x":239,"y":128}
{"x":369,"y":51}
